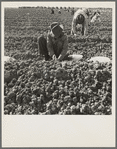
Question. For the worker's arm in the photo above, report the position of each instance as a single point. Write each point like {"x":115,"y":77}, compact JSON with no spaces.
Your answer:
{"x":73,"y":31}
{"x":86,"y":23}
{"x":65,"y":48}
{"x":49,"y":45}
{"x":74,"y":22}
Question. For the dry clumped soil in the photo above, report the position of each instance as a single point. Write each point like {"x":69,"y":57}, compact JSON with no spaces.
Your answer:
{"x":34,"y":86}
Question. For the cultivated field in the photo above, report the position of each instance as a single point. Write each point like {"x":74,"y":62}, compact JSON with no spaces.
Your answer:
{"x":34,"y":86}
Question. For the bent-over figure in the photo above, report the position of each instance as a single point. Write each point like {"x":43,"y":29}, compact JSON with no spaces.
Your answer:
{"x":83,"y":17}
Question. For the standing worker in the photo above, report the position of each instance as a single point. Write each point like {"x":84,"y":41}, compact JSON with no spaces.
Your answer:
{"x":59,"y":11}
{"x":52,"y":11}
{"x":56,"y":44}
{"x":72,"y":12}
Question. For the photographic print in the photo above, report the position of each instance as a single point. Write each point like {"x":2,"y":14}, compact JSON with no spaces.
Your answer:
{"x":58,"y":74}
{"x":58,"y":60}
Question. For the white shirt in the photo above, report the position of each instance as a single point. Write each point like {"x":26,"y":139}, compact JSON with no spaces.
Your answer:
{"x":78,"y":12}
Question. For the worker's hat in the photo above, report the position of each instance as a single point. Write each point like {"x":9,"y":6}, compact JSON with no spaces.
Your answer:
{"x":56,"y":29}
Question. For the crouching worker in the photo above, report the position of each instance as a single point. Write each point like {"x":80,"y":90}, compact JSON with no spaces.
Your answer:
{"x":56,"y":44}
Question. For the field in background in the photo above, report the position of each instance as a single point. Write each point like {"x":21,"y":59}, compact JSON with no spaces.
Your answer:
{"x":28,"y":87}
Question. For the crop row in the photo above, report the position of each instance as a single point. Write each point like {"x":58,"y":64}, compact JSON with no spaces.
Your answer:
{"x":40,"y":19}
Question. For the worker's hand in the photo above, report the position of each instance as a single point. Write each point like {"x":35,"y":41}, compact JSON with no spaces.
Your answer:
{"x":75,"y":35}
{"x":87,"y":36}
{"x":54,"y":57}
{"x":60,"y":58}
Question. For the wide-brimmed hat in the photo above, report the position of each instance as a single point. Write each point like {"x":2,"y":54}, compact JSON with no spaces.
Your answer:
{"x":56,"y":29}
{"x":53,"y":24}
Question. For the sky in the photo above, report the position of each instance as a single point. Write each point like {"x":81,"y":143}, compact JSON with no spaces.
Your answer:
{"x":58,"y":4}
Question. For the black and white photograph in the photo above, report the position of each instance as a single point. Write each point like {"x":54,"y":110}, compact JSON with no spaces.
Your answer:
{"x":58,"y":63}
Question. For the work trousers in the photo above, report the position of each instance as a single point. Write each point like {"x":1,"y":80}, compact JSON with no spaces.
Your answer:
{"x":42,"y":44}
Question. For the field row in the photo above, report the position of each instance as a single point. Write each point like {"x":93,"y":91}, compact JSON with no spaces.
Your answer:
{"x":29,"y":21}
